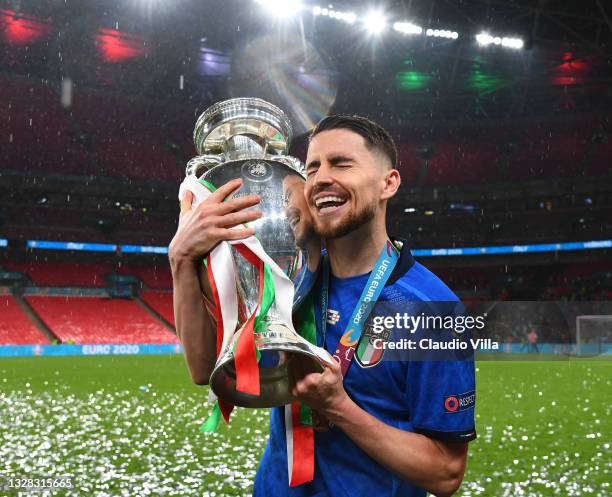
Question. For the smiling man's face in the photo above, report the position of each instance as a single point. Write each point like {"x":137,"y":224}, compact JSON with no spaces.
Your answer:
{"x":344,"y":182}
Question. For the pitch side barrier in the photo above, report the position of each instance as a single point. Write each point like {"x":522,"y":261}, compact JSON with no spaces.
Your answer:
{"x":407,"y":327}
{"x":89,"y":349}
{"x":436,"y":252}
{"x":557,"y":350}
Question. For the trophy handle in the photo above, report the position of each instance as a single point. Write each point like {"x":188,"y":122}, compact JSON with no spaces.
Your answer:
{"x":199,"y":164}
{"x":294,"y":163}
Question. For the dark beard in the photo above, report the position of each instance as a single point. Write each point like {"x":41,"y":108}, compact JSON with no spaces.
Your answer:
{"x":354,"y":221}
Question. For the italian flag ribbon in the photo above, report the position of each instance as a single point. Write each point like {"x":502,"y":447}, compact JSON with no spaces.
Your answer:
{"x":274,"y":284}
{"x":299,"y":432}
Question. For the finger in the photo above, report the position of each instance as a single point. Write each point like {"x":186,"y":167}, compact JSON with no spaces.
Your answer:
{"x":310,"y":381}
{"x":226,"y":190}
{"x":186,"y":201}
{"x":301,"y":387}
{"x":237,"y":204}
{"x":236,"y":218}
{"x":237,"y":233}
{"x":297,"y":391}
{"x":334,"y":366}
{"x":330,"y":377}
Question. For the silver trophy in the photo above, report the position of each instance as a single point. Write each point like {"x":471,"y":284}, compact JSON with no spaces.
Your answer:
{"x":249,"y":138}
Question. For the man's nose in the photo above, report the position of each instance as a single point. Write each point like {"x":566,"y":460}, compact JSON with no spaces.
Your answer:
{"x":323,"y":176}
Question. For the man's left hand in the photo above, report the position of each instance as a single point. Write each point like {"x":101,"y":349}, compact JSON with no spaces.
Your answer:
{"x":324,"y":391}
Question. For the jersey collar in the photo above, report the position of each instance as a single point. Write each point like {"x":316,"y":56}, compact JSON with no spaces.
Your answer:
{"x":405,"y":262}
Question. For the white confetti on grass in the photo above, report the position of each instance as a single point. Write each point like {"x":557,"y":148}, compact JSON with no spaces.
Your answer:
{"x":121,"y":441}
{"x":124,"y":444}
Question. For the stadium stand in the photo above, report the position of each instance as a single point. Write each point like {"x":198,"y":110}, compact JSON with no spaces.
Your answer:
{"x":550,"y":150}
{"x":601,"y":159}
{"x":577,"y":281}
{"x":62,"y":274}
{"x":15,"y":327}
{"x":157,"y":277}
{"x":34,"y":122}
{"x":98,"y":320}
{"x":160,"y":302}
{"x":129,"y":147}
{"x":45,"y":137}
{"x":125,"y":134}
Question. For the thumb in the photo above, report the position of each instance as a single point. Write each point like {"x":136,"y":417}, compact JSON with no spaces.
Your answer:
{"x":186,"y":202}
{"x":333,"y":366}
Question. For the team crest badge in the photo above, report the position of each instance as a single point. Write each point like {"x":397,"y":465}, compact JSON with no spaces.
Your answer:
{"x":367,"y":353}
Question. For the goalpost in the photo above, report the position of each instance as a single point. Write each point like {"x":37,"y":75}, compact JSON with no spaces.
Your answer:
{"x":593,"y":335}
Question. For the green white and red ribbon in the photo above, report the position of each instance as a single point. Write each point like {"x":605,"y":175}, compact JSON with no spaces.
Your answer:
{"x":274,"y":285}
{"x":299,"y":432}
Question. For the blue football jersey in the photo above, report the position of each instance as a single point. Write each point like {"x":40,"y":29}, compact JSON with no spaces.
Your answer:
{"x":409,"y":395}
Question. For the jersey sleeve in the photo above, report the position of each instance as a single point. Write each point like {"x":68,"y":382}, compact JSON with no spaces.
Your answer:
{"x":442,"y":399}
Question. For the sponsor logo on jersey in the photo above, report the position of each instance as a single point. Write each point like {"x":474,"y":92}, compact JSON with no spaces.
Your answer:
{"x":332,"y":316}
{"x":461,"y":402}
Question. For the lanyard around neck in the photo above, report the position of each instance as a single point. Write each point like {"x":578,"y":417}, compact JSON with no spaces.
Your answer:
{"x":379,"y":276}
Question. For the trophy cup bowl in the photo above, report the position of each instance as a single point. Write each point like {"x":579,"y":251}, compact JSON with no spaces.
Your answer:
{"x":249,"y":138}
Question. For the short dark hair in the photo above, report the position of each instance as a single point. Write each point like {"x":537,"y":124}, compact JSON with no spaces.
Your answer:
{"x":373,"y":133}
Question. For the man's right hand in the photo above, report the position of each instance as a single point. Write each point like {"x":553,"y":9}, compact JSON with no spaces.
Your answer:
{"x":213,"y":221}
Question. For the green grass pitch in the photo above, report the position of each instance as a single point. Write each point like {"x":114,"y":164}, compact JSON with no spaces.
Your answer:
{"x":128,"y":426}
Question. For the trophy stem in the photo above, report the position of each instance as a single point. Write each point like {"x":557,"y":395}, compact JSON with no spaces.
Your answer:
{"x":283,"y":357}
{"x":243,"y":146}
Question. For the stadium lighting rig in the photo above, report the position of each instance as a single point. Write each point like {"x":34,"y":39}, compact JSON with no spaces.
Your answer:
{"x":407,"y":28}
{"x":375,"y":22}
{"x":485,"y":39}
{"x":442,"y":33}
{"x":349,"y":17}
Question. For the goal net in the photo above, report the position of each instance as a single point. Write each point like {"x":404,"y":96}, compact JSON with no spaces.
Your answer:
{"x":593,"y":335}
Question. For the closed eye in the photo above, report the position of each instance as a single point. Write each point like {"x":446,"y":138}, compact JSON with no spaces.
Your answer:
{"x":310,"y":170}
{"x":312,"y":167}
{"x":341,"y":161}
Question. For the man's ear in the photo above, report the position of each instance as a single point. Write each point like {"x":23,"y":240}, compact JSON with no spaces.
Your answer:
{"x":393,"y":181}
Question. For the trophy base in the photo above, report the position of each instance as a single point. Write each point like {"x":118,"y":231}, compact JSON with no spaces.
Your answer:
{"x":284,"y":358}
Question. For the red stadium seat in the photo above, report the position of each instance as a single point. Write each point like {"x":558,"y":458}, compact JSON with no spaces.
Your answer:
{"x":127,"y":142}
{"x":158,"y":277}
{"x":601,"y":161}
{"x":99,"y":320}
{"x":15,"y":327}
{"x":62,"y":273}
{"x":36,"y":131}
{"x":160,"y":302}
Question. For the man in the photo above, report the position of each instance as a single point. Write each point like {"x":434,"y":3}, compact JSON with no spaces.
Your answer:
{"x":395,"y":428}
{"x":532,"y":339}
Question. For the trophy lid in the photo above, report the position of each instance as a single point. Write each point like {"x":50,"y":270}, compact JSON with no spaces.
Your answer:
{"x":243,"y":123}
